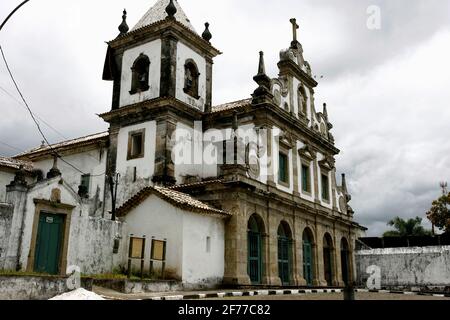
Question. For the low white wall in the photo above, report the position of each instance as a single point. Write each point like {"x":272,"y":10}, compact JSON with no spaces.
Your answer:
{"x":203,"y":259}
{"x":406,"y":267}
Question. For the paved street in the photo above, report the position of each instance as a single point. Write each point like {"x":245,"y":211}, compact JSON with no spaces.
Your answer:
{"x":114,"y":295}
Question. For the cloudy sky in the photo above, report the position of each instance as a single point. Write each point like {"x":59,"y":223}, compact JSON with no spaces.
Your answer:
{"x":388,"y":89}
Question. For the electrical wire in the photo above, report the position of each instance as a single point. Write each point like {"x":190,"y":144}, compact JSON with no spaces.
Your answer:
{"x":35,"y":114}
{"x":32,"y":115}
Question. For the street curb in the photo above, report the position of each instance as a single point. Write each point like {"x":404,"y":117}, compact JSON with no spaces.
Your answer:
{"x":246,"y":293}
{"x":410,"y":293}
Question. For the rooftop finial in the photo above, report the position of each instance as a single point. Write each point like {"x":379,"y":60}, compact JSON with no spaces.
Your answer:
{"x":295,"y":27}
{"x":325,"y":111}
{"x":207,"y":34}
{"x":171,"y":9}
{"x":123,"y":28}
{"x":261,"y":66}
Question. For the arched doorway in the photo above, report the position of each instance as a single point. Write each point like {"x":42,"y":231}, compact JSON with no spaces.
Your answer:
{"x":308,"y":262}
{"x":254,"y":241}
{"x":327,"y":259}
{"x":345,"y":266}
{"x":284,"y":253}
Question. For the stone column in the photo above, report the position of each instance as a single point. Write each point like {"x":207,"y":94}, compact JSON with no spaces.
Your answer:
{"x":236,"y":249}
{"x":269,"y":153}
{"x":340,"y":281}
{"x":316,"y":181}
{"x":16,"y":195}
{"x":209,"y":76}
{"x":320,"y":263}
{"x":295,"y":157}
{"x":168,"y":65}
{"x":333,"y":189}
{"x":298,"y":247}
{"x":117,"y":84}
{"x":273,"y":274}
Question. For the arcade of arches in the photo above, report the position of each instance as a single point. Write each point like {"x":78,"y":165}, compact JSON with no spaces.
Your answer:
{"x":305,"y":254}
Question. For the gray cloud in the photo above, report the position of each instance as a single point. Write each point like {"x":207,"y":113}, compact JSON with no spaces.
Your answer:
{"x":386,"y":89}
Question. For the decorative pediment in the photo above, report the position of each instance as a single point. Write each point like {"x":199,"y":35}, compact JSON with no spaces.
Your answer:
{"x":286,"y":140}
{"x":307,"y":153}
{"x":327,"y":163}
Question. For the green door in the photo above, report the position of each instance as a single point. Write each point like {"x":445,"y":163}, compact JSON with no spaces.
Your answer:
{"x":307,"y":262}
{"x":48,"y":243}
{"x":283,"y":260}
{"x":254,"y":257}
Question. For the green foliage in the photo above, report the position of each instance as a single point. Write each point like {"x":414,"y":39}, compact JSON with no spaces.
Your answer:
{"x":405,"y":228}
{"x":439,"y":214}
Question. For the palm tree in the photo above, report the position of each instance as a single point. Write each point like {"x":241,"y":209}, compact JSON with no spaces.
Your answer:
{"x":405,"y":228}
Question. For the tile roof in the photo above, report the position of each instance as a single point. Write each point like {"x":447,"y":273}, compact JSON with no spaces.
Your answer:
{"x":65,"y":144}
{"x":15,"y":164}
{"x":232,"y":105}
{"x":178,"y":199}
{"x":158,"y":13}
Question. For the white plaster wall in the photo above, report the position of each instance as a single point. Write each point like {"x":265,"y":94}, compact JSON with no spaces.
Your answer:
{"x":91,"y":162}
{"x":5,"y":179}
{"x":411,"y":267}
{"x":153,"y":51}
{"x":199,"y":266}
{"x":91,"y":239}
{"x":157,"y":218}
{"x":145,"y":167}
{"x":184,"y":53}
{"x":188,"y":151}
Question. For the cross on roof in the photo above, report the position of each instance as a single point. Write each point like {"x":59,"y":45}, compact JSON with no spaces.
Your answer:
{"x":295,"y":27}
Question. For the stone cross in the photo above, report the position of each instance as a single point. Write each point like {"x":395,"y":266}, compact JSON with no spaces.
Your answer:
{"x":295,"y":27}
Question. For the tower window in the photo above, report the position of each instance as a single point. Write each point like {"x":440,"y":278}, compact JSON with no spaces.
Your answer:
{"x":140,"y":74}
{"x":136,"y":141}
{"x":191,"y":76}
{"x":306,"y":179}
{"x":283,"y":168}
{"x":325,"y":188}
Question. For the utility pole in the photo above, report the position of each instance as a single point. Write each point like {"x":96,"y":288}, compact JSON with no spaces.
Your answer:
{"x":113,"y":180}
{"x":11,"y":14}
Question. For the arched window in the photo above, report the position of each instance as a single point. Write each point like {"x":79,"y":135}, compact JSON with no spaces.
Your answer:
{"x":302,"y":101}
{"x":140,"y":74}
{"x":191,"y":76}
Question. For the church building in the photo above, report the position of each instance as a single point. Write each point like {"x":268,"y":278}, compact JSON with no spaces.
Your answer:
{"x":243,"y":193}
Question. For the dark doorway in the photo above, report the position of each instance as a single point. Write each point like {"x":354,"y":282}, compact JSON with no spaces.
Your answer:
{"x":48,"y":243}
{"x":327,"y":259}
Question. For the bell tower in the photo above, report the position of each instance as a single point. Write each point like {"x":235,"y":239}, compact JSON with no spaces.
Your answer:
{"x":162,"y":74}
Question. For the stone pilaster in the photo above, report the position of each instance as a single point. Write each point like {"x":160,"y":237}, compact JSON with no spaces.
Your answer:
{"x":273,"y":274}
{"x":209,"y":77}
{"x":236,"y":249}
{"x":295,"y":168}
{"x":269,"y":153}
{"x":164,"y":166}
{"x":16,"y":195}
{"x":117,"y":84}
{"x":168,"y":65}
{"x":316,"y":181}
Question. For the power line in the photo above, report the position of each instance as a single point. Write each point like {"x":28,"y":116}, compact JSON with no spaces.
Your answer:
{"x":10,"y":146}
{"x":14,"y":11}
{"x":35,"y":114}
{"x":32,"y":115}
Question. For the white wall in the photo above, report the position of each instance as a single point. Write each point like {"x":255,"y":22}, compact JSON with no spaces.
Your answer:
{"x":153,"y":51}
{"x":184,"y":53}
{"x":199,"y":265}
{"x":410,"y":267}
{"x":91,"y":162}
{"x":157,"y":218}
{"x":186,"y":234}
{"x":188,"y":152}
{"x":145,"y":167}
{"x":90,"y":240}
